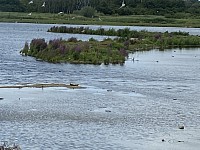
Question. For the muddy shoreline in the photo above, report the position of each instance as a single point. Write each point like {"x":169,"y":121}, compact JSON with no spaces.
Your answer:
{"x":75,"y":86}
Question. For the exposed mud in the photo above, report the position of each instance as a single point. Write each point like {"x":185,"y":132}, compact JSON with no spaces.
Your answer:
{"x":71,"y":86}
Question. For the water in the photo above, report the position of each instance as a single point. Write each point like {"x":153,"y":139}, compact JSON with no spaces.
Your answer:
{"x":133,"y":106}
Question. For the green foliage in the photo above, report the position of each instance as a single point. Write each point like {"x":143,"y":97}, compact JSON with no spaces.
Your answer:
{"x":132,"y":39}
{"x":91,"y":52}
{"x":88,"y":11}
{"x":85,"y":30}
{"x":195,"y":8}
{"x":107,"y":51}
{"x":92,"y":39}
{"x":107,"y":7}
{"x":125,"y":11}
{"x":11,"y":6}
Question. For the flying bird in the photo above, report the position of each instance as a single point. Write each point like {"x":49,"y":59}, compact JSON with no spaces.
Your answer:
{"x":29,"y":14}
{"x":43,"y":5}
{"x":123,"y":4}
{"x":31,"y":2}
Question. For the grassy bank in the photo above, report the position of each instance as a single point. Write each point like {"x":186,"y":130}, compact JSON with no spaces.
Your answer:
{"x":133,"y":20}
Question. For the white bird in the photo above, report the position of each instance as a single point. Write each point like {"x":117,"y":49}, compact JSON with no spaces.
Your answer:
{"x":123,"y":4}
{"x":100,"y":19}
{"x":31,"y":2}
{"x":60,"y":13}
{"x":43,"y":5}
{"x":29,"y":14}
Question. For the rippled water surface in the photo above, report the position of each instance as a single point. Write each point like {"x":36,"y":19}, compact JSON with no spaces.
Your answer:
{"x":127,"y":107}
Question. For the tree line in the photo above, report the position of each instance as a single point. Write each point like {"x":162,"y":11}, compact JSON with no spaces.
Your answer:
{"x":107,"y":7}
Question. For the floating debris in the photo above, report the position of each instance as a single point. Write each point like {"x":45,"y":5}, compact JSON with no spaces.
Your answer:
{"x":181,"y":127}
{"x":109,"y":90}
{"x":107,"y":110}
{"x":74,"y":84}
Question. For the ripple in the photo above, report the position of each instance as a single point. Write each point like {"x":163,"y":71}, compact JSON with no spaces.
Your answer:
{"x":133,"y":106}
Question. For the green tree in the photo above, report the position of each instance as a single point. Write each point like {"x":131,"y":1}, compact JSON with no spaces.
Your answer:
{"x":88,"y":11}
{"x":195,"y":8}
{"x":11,"y":6}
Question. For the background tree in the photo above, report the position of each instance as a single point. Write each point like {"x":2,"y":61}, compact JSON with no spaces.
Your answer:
{"x":11,"y":5}
{"x":88,"y":11}
{"x":107,"y":7}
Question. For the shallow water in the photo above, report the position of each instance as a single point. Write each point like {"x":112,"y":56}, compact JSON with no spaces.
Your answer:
{"x":133,"y":106}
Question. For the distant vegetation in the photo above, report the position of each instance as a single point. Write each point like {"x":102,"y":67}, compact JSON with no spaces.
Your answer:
{"x":131,"y":20}
{"x":74,"y":51}
{"x":138,"y":39}
{"x":168,"y":8}
{"x":126,"y":33}
{"x":108,"y":51}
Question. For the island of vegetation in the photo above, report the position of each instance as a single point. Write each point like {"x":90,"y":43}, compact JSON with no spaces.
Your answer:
{"x":77,"y":51}
{"x":138,"y":40}
{"x":114,"y":51}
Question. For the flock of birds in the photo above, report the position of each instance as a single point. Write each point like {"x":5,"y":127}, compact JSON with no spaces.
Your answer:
{"x":31,"y":2}
{"x":43,"y":5}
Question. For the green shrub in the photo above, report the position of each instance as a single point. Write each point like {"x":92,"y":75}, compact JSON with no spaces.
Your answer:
{"x":88,"y":11}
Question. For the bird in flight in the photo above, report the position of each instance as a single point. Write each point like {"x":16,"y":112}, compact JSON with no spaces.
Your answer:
{"x":31,"y":2}
{"x":123,"y":5}
{"x":43,"y":5}
{"x":29,"y":14}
